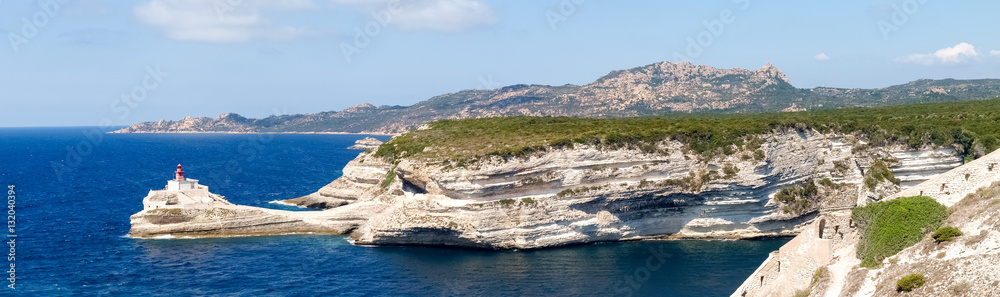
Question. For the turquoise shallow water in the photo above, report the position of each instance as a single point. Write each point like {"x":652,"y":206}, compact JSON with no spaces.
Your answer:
{"x":75,"y":194}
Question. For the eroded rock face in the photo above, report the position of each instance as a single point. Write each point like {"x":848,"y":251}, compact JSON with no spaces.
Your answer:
{"x":964,"y":266}
{"x":571,"y":196}
{"x":225,"y":221}
{"x":210,"y":215}
{"x":368,"y":143}
{"x":361,"y":180}
{"x":588,"y":194}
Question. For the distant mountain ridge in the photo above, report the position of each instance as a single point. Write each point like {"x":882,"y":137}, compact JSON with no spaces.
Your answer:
{"x":653,"y":89}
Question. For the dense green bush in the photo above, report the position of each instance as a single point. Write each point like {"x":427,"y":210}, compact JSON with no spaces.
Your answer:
{"x":797,"y":198}
{"x":970,"y":126}
{"x":826,"y":182}
{"x":842,"y":166}
{"x":910,"y":282}
{"x":888,"y":227}
{"x":730,"y":171}
{"x":879,"y":172}
{"x":946,"y":234}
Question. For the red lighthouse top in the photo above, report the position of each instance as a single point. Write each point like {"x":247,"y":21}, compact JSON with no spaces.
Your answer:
{"x":180,"y":172}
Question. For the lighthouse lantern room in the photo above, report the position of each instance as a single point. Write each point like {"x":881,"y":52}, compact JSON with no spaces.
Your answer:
{"x":179,"y":183}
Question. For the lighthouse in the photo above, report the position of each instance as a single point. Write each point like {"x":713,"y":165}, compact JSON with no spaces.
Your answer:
{"x":182,"y":192}
{"x":179,"y":173}
{"x":179,"y":183}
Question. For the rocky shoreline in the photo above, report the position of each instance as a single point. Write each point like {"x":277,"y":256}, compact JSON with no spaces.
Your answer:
{"x":578,"y":195}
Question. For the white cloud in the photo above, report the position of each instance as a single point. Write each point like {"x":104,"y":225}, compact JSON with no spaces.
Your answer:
{"x":822,"y":57}
{"x":439,"y":15}
{"x":226,"y":21}
{"x":957,"y":54}
{"x":219,"y":21}
{"x":995,"y":52}
{"x":445,"y":15}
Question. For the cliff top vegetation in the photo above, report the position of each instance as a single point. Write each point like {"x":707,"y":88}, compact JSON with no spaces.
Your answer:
{"x":888,"y":227}
{"x":971,"y":126}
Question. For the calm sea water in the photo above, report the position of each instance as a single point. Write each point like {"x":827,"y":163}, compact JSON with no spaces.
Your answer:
{"x":75,"y":192}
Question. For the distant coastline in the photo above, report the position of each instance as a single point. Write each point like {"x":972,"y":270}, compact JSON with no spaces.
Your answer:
{"x":657,"y":89}
{"x":253,"y":132}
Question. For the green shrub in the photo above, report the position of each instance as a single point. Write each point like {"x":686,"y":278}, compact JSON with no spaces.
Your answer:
{"x":879,"y":172}
{"x":842,"y":166}
{"x":826,"y":182}
{"x":797,"y":198}
{"x":888,"y":227}
{"x":648,"y":148}
{"x":389,"y":178}
{"x":730,"y":171}
{"x":910,"y":282}
{"x":707,"y":177}
{"x":946,"y":234}
{"x":820,"y":273}
{"x":527,"y":200}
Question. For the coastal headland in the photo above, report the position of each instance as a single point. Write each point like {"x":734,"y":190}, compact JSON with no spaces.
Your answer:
{"x":481,"y":183}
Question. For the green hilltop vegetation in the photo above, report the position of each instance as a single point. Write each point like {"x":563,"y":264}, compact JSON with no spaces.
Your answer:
{"x":888,"y":227}
{"x":972,"y":126}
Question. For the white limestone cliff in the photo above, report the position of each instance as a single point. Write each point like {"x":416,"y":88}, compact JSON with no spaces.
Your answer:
{"x":584,"y":194}
{"x":965,"y":266}
{"x":588,"y":194}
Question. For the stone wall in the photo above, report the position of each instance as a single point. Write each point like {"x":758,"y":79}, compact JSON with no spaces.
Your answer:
{"x":791,"y":268}
{"x":950,"y":187}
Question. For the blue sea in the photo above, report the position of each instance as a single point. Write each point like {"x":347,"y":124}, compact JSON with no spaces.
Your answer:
{"x":75,"y":190}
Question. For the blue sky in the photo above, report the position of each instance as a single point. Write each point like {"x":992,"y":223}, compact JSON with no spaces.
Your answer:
{"x":81,"y":62}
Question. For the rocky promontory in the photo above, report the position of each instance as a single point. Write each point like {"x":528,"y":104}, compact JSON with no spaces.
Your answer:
{"x":368,"y":143}
{"x":185,"y":208}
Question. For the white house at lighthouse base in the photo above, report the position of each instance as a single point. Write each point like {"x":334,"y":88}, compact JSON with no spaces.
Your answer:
{"x":182,"y":193}
{"x":184,"y":185}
